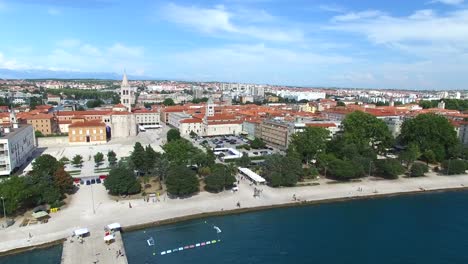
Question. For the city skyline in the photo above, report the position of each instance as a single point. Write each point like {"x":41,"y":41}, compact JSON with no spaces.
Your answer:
{"x":417,"y":45}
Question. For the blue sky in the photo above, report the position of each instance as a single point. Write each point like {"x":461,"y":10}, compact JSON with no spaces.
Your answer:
{"x":417,"y":44}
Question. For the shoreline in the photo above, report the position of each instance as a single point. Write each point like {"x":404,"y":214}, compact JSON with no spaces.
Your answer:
{"x":34,"y":247}
{"x":248,"y":209}
{"x":245,"y":210}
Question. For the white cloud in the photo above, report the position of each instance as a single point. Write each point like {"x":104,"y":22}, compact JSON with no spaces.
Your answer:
{"x":422,"y":25}
{"x":222,"y":22}
{"x":332,"y":8}
{"x":69,"y":43}
{"x":448,"y":2}
{"x":352,"y":16}
{"x":121,"y":51}
{"x":53,"y":11}
{"x":251,"y":63}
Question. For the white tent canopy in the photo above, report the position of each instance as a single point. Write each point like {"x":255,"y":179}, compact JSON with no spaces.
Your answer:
{"x":109,"y":238}
{"x":252,"y":175}
{"x":114,"y":226}
{"x":81,"y":231}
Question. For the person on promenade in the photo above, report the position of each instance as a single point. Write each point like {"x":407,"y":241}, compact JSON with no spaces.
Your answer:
{"x":238,"y":204}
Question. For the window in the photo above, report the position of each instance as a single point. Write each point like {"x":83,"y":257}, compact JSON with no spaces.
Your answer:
{"x":73,"y":133}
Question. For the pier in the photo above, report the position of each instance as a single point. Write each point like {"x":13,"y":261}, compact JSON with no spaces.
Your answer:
{"x":94,"y":250}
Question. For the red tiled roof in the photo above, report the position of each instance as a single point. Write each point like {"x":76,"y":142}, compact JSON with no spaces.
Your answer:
{"x":94,"y":123}
{"x":321,"y":125}
{"x":40,"y":116}
{"x":191,"y":120}
{"x":44,"y":107}
{"x":224,"y":122}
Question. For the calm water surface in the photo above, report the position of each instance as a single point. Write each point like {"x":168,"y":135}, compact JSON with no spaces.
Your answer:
{"x":426,"y":228}
{"x":51,"y":255}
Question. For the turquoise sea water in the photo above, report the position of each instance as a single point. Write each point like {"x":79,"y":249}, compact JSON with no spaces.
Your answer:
{"x":425,"y":228}
{"x":51,"y":255}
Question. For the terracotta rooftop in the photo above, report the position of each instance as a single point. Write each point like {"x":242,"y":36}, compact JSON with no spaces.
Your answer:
{"x":93,"y":123}
{"x":40,"y":116}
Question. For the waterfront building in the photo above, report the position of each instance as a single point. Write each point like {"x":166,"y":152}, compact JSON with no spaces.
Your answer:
{"x":17,"y":144}
{"x":47,"y":124}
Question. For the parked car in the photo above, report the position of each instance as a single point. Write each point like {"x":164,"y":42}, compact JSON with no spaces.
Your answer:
{"x":88,"y":182}
{"x":98,"y":180}
{"x":255,"y":153}
{"x":93,"y":181}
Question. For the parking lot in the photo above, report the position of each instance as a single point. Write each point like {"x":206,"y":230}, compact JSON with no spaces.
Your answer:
{"x":235,"y":142}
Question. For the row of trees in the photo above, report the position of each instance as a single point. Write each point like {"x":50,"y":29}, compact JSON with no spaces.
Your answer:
{"x":47,"y":183}
{"x":453,"y":104}
{"x":86,"y":94}
{"x":353,"y":153}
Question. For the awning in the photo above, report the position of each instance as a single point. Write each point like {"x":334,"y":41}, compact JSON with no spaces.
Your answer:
{"x":109,"y":238}
{"x":114,"y":226}
{"x":81,"y":231}
{"x":39,"y":214}
{"x":252,"y":175}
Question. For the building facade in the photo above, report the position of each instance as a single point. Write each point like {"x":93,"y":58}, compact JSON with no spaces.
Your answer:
{"x":17,"y":145}
{"x":47,"y":124}
{"x":81,"y":131}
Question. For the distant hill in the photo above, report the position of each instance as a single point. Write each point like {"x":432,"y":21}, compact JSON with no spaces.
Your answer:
{"x":49,"y":74}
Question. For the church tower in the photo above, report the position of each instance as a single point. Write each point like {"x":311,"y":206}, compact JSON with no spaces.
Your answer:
{"x":127,"y":93}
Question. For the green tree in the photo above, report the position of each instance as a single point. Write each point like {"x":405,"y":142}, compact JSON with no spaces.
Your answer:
{"x":161,"y":166}
{"x":63,"y":181}
{"x":343,"y":169}
{"x":182,"y":181}
{"x":94,"y":103}
{"x":204,"y":171}
{"x":77,"y":161}
{"x":45,"y":165}
{"x":138,"y":157}
{"x":340,"y":103}
{"x":15,"y":192}
{"x":112,"y":158}
{"x":418,"y":169}
{"x":430,"y":132}
{"x":122,"y":180}
{"x":428,"y":104}
{"x":364,"y":129}
{"x":219,"y":179}
{"x":244,"y":160}
{"x":150,"y":159}
{"x":454,"y":166}
{"x":179,"y":151}
{"x":410,"y":155}
{"x":168,"y":102}
{"x":310,"y":142}
{"x":429,"y":156}
{"x":173,"y":134}
{"x":282,"y":170}
{"x":64,"y":160}
{"x":257,"y":143}
{"x":98,"y":159}
{"x":38,"y":133}
{"x":389,"y":168}
{"x":193,"y":134}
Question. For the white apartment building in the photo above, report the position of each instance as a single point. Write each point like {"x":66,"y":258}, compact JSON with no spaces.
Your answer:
{"x":17,"y":145}
{"x":147,"y":117}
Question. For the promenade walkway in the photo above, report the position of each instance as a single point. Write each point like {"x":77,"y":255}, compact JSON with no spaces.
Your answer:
{"x":81,"y":212}
{"x":94,"y":250}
